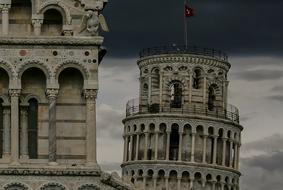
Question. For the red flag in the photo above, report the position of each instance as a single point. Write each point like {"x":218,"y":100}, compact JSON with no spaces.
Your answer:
{"x":189,"y":12}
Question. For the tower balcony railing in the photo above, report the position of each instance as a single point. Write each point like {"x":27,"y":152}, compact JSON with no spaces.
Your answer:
{"x":176,"y":49}
{"x":231,"y":112}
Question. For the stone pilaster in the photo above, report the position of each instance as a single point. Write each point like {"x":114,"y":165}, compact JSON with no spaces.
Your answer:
{"x":24,"y":154}
{"x":231,"y":153}
{"x":90,"y":96}
{"x":7,"y":133}
{"x":14,"y":94}
{"x":52,"y":150}
{"x":125,"y":148}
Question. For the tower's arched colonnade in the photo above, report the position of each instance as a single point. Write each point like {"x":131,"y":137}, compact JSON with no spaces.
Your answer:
{"x":181,"y":133}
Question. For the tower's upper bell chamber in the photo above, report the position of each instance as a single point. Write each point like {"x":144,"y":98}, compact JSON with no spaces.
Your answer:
{"x":182,"y":79}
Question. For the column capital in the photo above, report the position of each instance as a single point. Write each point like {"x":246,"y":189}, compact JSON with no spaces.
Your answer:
{"x":5,"y":6}
{"x":37,"y":22}
{"x":90,"y":94}
{"x":52,"y":93}
{"x":14,"y":92}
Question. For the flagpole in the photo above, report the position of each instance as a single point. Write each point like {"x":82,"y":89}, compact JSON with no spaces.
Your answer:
{"x":185,"y":27}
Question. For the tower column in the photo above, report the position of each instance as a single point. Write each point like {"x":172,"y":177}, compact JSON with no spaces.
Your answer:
{"x":214,"y":149}
{"x":154,"y":182}
{"x":204,"y":149}
{"x":156,"y":145}
{"x":224,"y":152}
{"x":204,"y":89}
{"x":24,"y":133}
{"x":168,"y":144}
{"x":137,"y":146}
{"x":146,"y":145}
{"x":131,"y":147}
{"x":5,"y":18}
{"x":180,"y":146}
{"x":231,"y":154}
{"x":144,"y":181}
{"x":193,"y":147}
{"x":191,"y":182}
{"x":7,"y":133}
{"x":190,"y":88}
{"x":167,"y":182}
{"x":125,"y":148}
{"x":179,"y":178}
{"x":90,"y":96}
{"x":52,"y":154}
{"x":14,"y":94}
{"x":236,"y":155}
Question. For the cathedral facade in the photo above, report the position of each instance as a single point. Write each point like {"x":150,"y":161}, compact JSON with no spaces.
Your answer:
{"x":50,"y":51}
{"x":181,"y":133}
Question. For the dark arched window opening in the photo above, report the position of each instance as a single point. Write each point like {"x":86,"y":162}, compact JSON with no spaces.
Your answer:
{"x":196,"y":78}
{"x":52,"y":23}
{"x":174,"y":143}
{"x":1,"y":128}
{"x":32,"y":128}
{"x":211,"y":98}
{"x":176,"y":95}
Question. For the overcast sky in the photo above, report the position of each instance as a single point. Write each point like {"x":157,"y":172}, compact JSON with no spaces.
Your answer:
{"x":250,"y":31}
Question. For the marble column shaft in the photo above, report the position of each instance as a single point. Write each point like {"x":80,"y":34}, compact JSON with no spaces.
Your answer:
{"x":14,"y":94}
{"x":7,"y":133}
{"x":146,"y":146}
{"x":156,"y":145}
{"x":24,"y":133}
{"x":137,"y":147}
{"x":214,"y":150}
{"x":204,"y":149}
{"x":168,"y":145}
{"x":180,"y":146}
{"x":5,"y":18}
{"x":125,"y":148}
{"x":193,"y":147}
{"x":224,"y":152}
{"x":52,"y":141}
{"x":131,"y":147}
{"x":231,"y":154}
{"x":90,"y":96}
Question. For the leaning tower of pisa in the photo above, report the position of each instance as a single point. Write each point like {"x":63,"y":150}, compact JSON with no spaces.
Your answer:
{"x":181,"y":133}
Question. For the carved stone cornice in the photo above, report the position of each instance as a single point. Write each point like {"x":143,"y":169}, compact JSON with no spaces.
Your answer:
{"x":49,"y":172}
{"x":185,"y":58}
{"x":58,"y":40}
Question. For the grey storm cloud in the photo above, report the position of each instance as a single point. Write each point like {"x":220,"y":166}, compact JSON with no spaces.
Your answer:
{"x":264,"y":171}
{"x":239,"y":27}
{"x":258,"y":75}
{"x":276,"y":98}
{"x":277,"y":89}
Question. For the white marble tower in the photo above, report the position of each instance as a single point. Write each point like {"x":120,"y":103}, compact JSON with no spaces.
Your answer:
{"x":181,"y":133}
